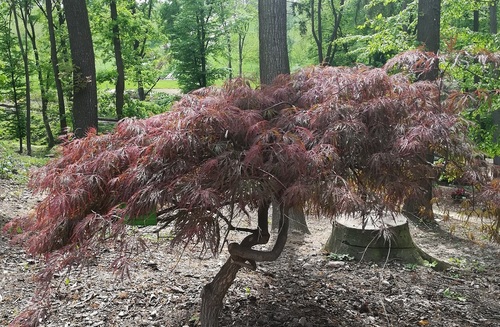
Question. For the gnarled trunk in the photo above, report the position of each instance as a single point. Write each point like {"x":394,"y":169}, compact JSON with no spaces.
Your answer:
{"x":242,"y":255}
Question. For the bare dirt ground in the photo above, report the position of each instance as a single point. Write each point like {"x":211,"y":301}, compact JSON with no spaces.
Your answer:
{"x":302,"y":288}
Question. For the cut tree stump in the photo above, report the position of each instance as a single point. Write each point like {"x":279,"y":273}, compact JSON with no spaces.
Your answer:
{"x":377,"y":239}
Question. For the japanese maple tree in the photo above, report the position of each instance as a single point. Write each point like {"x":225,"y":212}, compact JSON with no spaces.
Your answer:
{"x":331,"y":139}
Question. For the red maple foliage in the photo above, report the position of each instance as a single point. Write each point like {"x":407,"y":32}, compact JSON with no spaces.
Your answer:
{"x":331,"y":139}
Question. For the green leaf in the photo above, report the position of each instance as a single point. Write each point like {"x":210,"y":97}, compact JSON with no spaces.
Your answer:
{"x":145,"y":220}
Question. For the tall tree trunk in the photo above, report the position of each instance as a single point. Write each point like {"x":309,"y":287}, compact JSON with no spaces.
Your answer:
{"x":227,"y":32}
{"x":241,"y":43}
{"x":43,"y":89}
{"x":496,"y":113}
{"x":65,"y":56}
{"x":273,"y":49}
{"x":229,"y":58}
{"x":273,"y":60}
{"x":428,"y":29}
{"x":139,"y":52}
{"x":63,"y":125}
{"x":120,"y":68}
{"x":203,"y":54}
{"x":496,"y":133}
{"x":493,"y":17}
{"x":330,"y":53}
{"x":475,"y":21}
{"x":429,"y":23}
{"x":82,"y":55}
{"x":18,"y":114}
{"x":317,"y":33}
{"x":24,"y":54}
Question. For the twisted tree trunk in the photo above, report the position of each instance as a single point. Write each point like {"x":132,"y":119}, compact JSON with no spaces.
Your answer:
{"x":242,"y":255}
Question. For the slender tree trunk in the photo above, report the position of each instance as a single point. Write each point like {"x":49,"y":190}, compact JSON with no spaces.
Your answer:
{"x":273,"y":49}
{"x":241,"y":43}
{"x":203,"y":54}
{"x":496,"y":133}
{"x":496,"y":113}
{"x":227,"y":32}
{"x":82,"y":55}
{"x":139,"y":52}
{"x":43,"y":89}
{"x":475,"y":28}
{"x":24,"y":54}
{"x":428,"y":29}
{"x":429,"y":23}
{"x":65,"y":56}
{"x":120,"y":68}
{"x":475,"y":21}
{"x":63,"y":125}
{"x":18,"y":114}
{"x":330,"y":53}
{"x":493,"y":17}
{"x":229,"y":59}
{"x":317,"y":33}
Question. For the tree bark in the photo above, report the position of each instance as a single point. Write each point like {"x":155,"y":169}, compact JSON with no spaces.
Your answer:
{"x":24,"y":54}
{"x":475,"y":21}
{"x":139,"y":52}
{"x":273,"y":49}
{"x":84,"y":76}
{"x":317,"y":34}
{"x":429,"y":23}
{"x":496,"y":113}
{"x":43,"y":89}
{"x":493,"y":17}
{"x":496,"y":133}
{"x":241,"y":43}
{"x":330,"y":53}
{"x":242,"y":255}
{"x":15,"y":97}
{"x":214,"y":292}
{"x":120,"y":68}
{"x":428,"y":29}
{"x":63,"y":125}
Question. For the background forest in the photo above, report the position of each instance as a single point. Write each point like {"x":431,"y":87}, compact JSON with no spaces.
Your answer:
{"x":148,"y":52}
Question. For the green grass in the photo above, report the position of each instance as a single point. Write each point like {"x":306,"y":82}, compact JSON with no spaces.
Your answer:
{"x":14,"y":165}
{"x":162,"y":84}
{"x":167,"y":84}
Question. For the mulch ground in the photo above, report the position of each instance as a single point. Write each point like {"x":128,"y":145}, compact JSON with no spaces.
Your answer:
{"x":304,"y":287}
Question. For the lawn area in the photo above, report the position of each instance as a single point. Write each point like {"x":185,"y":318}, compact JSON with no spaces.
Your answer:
{"x":162,"y":84}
